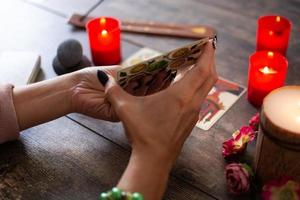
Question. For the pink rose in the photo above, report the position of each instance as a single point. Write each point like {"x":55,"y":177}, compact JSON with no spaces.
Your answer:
{"x":254,"y":122}
{"x":238,"y":178}
{"x":283,"y":188}
{"x":238,"y":143}
{"x":230,"y":148}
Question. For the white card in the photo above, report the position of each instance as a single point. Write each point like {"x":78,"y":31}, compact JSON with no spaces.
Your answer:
{"x":19,"y":67}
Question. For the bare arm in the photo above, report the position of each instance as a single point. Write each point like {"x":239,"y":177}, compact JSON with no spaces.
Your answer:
{"x":79,"y":92}
{"x":43,"y":101}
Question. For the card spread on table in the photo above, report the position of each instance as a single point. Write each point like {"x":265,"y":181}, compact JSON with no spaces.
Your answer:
{"x":158,"y":71}
{"x":222,"y":96}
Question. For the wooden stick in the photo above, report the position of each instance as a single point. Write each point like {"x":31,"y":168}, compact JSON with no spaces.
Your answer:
{"x":154,"y":28}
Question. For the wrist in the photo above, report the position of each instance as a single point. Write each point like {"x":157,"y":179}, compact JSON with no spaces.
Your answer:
{"x":43,"y":101}
{"x":73,"y":81}
{"x":152,"y":159}
{"x":147,"y":174}
{"x":66,"y":85}
{"x":152,"y":162}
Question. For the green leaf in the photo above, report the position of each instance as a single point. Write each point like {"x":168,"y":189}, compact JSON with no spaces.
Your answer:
{"x":248,"y":168}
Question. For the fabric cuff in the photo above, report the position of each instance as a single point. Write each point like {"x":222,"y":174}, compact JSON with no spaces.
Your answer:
{"x":9,"y":127}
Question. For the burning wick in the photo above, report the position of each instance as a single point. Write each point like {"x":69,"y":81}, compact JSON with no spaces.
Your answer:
{"x":277,"y":19}
{"x":270,"y":54}
{"x":271,"y":32}
{"x":102,"y":21}
{"x":267,"y":70}
{"x":104,"y":33}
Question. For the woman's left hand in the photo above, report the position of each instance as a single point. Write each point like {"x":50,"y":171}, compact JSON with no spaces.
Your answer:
{"x":80,"y":92}
{"x":88,"y":94}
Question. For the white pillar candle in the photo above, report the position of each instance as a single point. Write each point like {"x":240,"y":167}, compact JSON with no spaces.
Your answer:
{"x":278,"y":143}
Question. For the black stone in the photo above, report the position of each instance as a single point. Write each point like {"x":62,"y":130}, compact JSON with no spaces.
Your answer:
{"x":69,"y":53}
{"x":60,"y":69}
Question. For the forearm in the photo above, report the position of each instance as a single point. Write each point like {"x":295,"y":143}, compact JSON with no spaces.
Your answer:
{"x":147,"y":175}
{"x":43,"y":101}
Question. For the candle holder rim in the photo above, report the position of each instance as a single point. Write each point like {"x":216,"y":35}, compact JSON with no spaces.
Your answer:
{"x":285,"y":19}
{"x":282,"y":136}
{"x":106,"y":17}
{"x":282,"y":57}
{"x":289,"y":137}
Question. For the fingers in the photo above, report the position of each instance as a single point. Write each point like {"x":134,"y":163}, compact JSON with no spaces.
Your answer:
{"x":111,"y":70}
{"x":158,"y":81}
{"x":115,"y":94}
{"x":203,"y":91}
{"x":196,"y":76}
{"x":203,"y":66}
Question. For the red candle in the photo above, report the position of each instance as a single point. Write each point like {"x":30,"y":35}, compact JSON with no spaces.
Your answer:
{"x":267,"y":71}
{"x":273,"y":33}
{"x":104,"y":37}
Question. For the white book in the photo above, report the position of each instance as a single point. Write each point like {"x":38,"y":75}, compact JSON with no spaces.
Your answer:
{"x":19,"y":67}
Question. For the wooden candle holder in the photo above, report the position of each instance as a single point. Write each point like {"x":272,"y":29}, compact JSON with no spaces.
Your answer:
{"x":278,"y":143}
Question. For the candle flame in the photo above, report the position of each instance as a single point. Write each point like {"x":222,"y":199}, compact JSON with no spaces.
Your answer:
{"x":270,"y":54}
{"x":102,"y":20}
{"x":104,"y":33}
{"x":277,"y":19}
{"x":267,"y":70}
{"x":271,"y":33}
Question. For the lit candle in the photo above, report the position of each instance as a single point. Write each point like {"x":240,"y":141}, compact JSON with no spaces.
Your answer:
{"x":267,"y":71}
{"x":273,"y":33}
{"x":278,"y":142}
{"x":104,"y":38}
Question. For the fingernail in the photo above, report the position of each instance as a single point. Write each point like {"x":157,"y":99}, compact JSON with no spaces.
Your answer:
{"x":215,"y":40}
{"x":103,"y":78}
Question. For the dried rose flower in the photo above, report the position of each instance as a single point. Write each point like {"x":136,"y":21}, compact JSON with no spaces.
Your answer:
{"x":283,"y":188}
{"x":238,"y":178}
{"x":254,"y":122}
{"x":238,"y":143}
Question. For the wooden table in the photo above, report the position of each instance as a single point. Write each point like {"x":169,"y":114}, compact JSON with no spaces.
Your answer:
{"x":77,"y":157}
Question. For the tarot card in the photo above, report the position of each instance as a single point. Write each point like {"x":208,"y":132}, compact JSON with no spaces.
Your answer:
{"x":157,"y":73}
{"x":140,"y":56}
{"x":222,"y":96}
{"x":220,"y":99}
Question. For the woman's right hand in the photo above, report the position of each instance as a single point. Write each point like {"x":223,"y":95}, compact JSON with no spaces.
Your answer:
{"x":157,"y":125}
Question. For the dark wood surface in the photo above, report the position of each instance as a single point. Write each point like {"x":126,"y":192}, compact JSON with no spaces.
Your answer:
{"x":77,"y":157}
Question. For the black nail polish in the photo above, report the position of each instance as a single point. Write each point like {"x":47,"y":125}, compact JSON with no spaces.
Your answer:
{"x":215,"y":40}
{"x":103,"y":78}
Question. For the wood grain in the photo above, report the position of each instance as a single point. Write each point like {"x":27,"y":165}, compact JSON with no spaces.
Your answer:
{"x":61,"y":160}
{"x":200,"y":167}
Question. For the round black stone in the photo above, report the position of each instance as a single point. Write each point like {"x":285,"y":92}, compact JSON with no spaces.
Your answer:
{"x":60,"y":69}
{"x":69,"y":53}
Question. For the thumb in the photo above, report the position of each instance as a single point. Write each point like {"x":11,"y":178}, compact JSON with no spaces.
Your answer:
{"x":114,"y":93}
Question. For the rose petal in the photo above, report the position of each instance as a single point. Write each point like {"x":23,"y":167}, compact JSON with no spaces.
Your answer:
{"x":237,"y":178}
{"x":254,"y":122}
{"x":280,"y":187}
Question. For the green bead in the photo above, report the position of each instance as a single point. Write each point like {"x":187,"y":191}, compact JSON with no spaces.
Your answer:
{"x":137,"y":196}
{"x":116,"y":193}
{"x":104,"y":196}
{"x":126,"y":195}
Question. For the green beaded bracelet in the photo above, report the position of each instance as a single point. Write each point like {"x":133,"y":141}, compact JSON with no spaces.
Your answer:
{"x":118,"y":194}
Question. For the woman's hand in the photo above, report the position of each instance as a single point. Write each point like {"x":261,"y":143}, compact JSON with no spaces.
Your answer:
{"x":80,"y":91}
{"x":158,"y":124}
{"x":88,"y":94}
